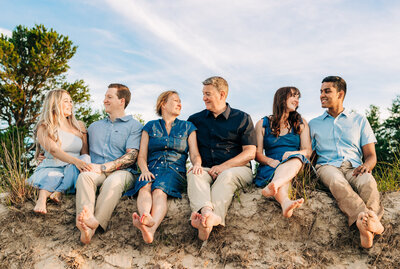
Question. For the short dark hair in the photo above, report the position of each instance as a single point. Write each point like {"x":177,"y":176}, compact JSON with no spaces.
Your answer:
{"x":338,"y":83}
{"x":122,"y":92}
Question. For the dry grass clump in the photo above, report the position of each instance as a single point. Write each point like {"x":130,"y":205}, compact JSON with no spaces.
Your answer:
{"x":14,"y":172}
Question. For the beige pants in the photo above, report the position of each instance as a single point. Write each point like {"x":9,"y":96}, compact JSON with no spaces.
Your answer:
{"x":353,"y":194}
{"x":112,"y":187}
{"x":202,"y":191}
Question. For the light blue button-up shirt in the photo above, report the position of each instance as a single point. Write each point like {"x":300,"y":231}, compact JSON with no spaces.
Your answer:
{"x":109,"y":140}
{"x":340,"y":139}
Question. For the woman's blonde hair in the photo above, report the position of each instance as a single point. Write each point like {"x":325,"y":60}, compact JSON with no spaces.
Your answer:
{"x":51,"y":115}
{"x":162,"y":99}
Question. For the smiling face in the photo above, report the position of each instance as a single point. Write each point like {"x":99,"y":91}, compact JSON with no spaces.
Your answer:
{"x":66,"y":104}
{"x":172,"y":106}
{"x":292,"y":101}
{"x":330,"y":97}
{"x":213,"y":99}
{"x":111,"y":101}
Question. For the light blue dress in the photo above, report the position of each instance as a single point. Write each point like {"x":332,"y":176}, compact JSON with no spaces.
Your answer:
{"x":55,"y":175}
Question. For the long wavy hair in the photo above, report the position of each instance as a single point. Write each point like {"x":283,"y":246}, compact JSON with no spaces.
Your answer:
{"x":50,"y":117}
{"x":279,"y":108}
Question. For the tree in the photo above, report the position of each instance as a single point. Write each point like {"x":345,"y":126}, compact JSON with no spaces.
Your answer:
{"x":32,"y":62}
{"x":387,"y":132}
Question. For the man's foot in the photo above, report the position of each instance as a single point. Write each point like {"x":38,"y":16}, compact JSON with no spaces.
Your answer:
{"x":196,"y":221}
{"x":56,"y":197}
{"x":147,"y":234}
{"x":372,"y":223}
{"x":40,"y":207}
{"x":270,"y":190}
{"x":289,"y":206}
{"x":87,"y":225}
{"x":147,"y":219}
{"x":87,"y":217}
{"x":86,"y":232}
{"x":366,"y":237}
{"x":209,"y":219}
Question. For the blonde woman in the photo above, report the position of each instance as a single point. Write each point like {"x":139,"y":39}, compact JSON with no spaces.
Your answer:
{"x":64,"y":142}
{"x":164,"y":148}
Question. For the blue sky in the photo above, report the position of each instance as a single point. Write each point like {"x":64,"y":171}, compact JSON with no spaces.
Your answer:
{"x":258,"y":46}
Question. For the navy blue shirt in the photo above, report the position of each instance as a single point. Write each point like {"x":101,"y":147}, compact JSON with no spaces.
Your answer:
{"x":168,"y":150}
{"x":220,"y":139}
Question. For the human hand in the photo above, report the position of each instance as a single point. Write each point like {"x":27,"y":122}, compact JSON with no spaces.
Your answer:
{"x":216,"y":170}
{"x":274,"y":163}
{"x":361,"y":170}
{"x":40,"y":158}
{"x":287,"y":154}
{"x":146,"y":176}
{"x":83,"y":166}
{"x":197,"y":169}
{"x":95,"y":168}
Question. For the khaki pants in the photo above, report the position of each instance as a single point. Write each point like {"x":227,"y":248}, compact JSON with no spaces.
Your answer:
{"x":353,"y":194}
{"x":202,"y":191}
{"x":112,"y":187}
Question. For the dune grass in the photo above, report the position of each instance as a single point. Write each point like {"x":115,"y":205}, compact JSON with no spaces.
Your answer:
{"x":387,"y":175}
{"x":14,"y":172}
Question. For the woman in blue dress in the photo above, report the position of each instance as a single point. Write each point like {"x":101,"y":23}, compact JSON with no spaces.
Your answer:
{"x":285,"y":138}
{"x":64,"y":142}
{"x":164,"y":148}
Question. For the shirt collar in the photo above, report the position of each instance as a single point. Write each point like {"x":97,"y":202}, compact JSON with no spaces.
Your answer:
{"x":345,"y":113}
{"x":163,"y":121}
{"x":225,"y":114}
{"x":124,"y":118}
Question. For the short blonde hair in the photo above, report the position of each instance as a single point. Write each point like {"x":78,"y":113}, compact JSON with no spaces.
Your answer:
{"x":162,"y":99}
{"x":218,"y":82}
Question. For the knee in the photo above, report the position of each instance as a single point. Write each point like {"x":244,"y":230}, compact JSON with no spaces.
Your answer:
{"x":84,"y":178}
{"x":366,"y":179}
{"x":159,"y":193}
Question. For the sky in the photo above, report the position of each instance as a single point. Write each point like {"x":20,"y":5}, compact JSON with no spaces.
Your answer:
{"x":258,"y":46}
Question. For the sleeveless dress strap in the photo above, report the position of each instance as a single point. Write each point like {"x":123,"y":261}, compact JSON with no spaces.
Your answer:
{"x":266,"y":125}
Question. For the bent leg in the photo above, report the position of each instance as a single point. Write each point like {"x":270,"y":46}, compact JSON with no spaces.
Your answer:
{"x":348,"y":200}
{"x":367,"y":189}
{"x":144,"y":205}
{"x":199,"y":190}
{"x":110,"y":193}
{"x":224,"y":187}
{"x":283,"y":174}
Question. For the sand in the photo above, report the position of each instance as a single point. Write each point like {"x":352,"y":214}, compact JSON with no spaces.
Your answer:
{"x":256,"y":236}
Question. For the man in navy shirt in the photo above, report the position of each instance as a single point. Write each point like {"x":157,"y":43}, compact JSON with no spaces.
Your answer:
{"x":227,"y":143}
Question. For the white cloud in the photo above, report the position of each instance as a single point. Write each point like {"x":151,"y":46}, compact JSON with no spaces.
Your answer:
{"x":5,"y":32}
{"x":259,"y":46}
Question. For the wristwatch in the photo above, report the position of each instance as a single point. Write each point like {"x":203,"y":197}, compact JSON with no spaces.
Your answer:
{"x":103,"y":168}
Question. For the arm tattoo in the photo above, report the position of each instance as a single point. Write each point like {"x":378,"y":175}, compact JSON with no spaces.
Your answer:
{"x":124,"y":161}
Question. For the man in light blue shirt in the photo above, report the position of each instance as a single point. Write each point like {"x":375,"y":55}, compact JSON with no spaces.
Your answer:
{"x":341,"y":139}
{"x":113,"y":145}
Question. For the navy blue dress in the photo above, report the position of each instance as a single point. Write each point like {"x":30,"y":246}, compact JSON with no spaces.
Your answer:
{"x":166,"y":157}
{"x":274,"y":148}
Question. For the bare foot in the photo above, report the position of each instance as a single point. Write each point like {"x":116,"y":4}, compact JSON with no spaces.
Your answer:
{"x":196,"y":221}
{"x":147,"y":219}
{"x":209,"y":219}
{"x":269,"y":190}
{"x":147,"y":235}
{"x":289,"y":206}
{"x":56,"y":197}
{"x":40,"y":206}
{"x":366,"y":237}
{"x":372,"y":223}
{"x":87,"y":217}
{"x":86,"y":232}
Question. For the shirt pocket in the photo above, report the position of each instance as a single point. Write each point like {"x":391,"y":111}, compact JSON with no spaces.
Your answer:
{"x":180,"y":142}
{"x":157,"y":141}
{"x":118,"y":139}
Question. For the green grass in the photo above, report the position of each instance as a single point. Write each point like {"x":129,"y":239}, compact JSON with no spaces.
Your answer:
{"x":387,"y":175}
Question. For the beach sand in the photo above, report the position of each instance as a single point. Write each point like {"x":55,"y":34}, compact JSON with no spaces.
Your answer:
{"x":256,"y":236}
